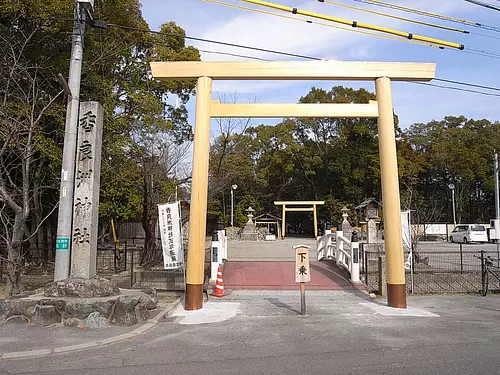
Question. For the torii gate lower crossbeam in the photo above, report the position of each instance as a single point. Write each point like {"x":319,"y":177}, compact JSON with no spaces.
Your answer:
{"x":380,"y":72}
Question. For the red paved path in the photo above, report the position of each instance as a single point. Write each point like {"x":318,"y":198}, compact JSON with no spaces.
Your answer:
{"x":280,"y":275}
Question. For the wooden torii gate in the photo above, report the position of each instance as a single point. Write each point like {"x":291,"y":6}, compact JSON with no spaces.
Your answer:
{"x":312,"y":207}
{"x":380,"y":72}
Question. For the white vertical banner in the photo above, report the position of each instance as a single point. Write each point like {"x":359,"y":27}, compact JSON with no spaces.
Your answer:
{"x":170,"y":234}
{"x":406,"y":228}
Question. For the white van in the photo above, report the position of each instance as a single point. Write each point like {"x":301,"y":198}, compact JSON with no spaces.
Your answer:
{"x":469,"y":233}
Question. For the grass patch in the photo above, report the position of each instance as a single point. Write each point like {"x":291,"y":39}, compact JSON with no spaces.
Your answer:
{"x":167,"y":297}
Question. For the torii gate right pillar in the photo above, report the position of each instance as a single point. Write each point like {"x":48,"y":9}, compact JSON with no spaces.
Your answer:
{"x":396,"y":286}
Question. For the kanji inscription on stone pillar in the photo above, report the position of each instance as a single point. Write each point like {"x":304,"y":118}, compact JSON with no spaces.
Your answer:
{"x":86,"y":196}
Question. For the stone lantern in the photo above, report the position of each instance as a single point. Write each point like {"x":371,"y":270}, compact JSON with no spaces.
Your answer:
{"x":250,"y":212}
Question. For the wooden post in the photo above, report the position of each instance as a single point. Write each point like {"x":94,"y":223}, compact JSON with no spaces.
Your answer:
{"x":302,"y":273}
{"x":303,"y":299}
{"x":315,"y":223}
{"x":396,"y":287}
{"x":199,"y":191}
{"x":283,"y":222}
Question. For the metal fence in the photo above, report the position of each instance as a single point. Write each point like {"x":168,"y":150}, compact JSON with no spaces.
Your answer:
{"x":433,"y":272}
{"x":123,"y":267}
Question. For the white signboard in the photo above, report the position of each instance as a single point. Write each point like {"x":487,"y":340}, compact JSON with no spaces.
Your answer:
{"x":170,"y":233}
{"x":302,"y":270}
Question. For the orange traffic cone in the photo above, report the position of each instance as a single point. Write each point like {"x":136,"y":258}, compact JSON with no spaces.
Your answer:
{"x":219,"y":285}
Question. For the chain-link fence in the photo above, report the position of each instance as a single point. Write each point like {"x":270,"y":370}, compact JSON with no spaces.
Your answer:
{"x":432,"y":271}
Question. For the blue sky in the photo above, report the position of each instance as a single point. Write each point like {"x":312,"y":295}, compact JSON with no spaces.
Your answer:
{"x":413,"y":103}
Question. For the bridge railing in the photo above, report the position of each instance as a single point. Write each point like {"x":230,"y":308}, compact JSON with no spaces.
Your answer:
{"x":325,"y":246}
{"x":344,"y":251}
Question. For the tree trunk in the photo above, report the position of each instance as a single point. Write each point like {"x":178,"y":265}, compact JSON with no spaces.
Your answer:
{"x":14,"y":257}
{"x":149,"y":226}
{"x":149,"y":253}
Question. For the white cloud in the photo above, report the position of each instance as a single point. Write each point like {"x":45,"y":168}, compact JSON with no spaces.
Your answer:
{"x":412,"y":102}
{"x":281,"y":34}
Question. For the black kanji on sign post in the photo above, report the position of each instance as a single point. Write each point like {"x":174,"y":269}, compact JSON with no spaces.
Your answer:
{"x":302,"y":270}
{"x":87,"y":121}
{"x":85,"y":150}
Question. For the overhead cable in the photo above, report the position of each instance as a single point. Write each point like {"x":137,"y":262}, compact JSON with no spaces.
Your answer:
{"x":456,"y":88}
{"x":389,"y":37}
{"x":429,"y":14}
{"x":394,"y":17}
{"x":356,"y":24}
{"x":215,"y":41}
{"x":314,"y":58}
{"x":486,"y":5}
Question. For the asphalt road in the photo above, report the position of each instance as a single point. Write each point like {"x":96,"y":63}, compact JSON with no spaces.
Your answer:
{"x":342,"y":334}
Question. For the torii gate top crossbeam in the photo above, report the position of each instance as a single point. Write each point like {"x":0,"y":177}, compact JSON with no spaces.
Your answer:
{"x":295,"y":70}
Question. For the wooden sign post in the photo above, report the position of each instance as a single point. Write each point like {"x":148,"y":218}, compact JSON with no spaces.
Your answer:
{"x":302,"y":273}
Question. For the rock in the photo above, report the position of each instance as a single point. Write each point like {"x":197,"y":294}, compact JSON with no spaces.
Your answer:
{"x":78,"y":309}
{"x":124,"y":311}
{"x":148,"y":301}
{"x":30,"y":311}
{"x":104,"y":307}
{"x":141,"y":313}
{"x":82,"y":288}
{"x":22,"y":307}
{"x":46,"y":315}
{"x":4,"y":310}
{"x":72,"y":322}
{"x":95,"y":320}
{"x":18,"y":319}
{"x":150,"y":291}
{"x":60,"y":304}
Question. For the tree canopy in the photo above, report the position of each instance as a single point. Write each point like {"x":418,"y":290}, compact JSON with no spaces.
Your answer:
{"x":337,"y":160}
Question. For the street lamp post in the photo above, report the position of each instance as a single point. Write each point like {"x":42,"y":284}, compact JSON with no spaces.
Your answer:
{"x":233,"y":188}
{"x":452,"y":188}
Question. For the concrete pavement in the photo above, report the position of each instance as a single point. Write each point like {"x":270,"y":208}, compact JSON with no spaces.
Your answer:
{"x":344,"y":332}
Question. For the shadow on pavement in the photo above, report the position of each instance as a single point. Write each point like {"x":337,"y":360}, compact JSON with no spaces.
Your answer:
{"x":276,"y":302}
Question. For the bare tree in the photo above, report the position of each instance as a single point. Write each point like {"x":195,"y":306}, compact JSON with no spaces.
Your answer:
{"x":229,"y":131}
{"x":26,"y":96}
{"x":424,"y":212}
{"x":162,"y":161}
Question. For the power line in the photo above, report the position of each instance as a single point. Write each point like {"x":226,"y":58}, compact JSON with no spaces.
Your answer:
{"x":323,"y":24}
{"x":233,"y":54}
{"x":410,"y":19}
{"x":481,"y":4}
{"x":429,"y":14}
{"x":317,"y":59}
{"x":131,"y":28}
{"x":467,"y":50}
{"x":456,"y":88}
{"x":356,"y":24}
{"x":467,"y":84}
{"x":395,"y":17}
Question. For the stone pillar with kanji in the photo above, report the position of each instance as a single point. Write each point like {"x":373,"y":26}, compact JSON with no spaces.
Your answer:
{"x":86,"y":195}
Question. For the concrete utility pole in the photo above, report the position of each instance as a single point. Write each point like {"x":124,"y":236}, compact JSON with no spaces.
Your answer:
{"x":65,"y":215}
{"x":497,"y":207}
